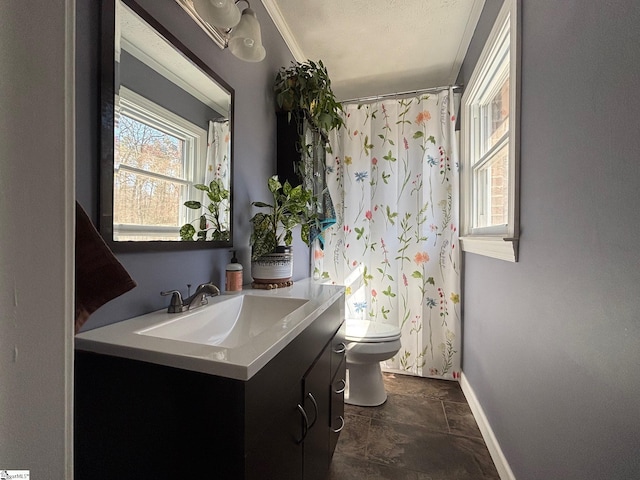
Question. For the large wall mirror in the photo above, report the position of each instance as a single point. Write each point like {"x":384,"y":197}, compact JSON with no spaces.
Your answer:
{"x":166,"y":139}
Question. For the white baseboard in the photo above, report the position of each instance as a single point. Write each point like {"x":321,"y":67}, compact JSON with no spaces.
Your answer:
{"x":490,"y":440}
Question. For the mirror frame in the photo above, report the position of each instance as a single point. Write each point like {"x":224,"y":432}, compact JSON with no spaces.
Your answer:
{"x":107,"y":117}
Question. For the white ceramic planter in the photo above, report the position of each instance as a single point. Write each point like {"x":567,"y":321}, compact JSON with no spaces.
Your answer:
{"x":272,"y":268}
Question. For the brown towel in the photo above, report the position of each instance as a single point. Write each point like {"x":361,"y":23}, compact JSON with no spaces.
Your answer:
{"x":100,"y":277}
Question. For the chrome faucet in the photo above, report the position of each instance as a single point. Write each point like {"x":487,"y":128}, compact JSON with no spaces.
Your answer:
{"x":198,"y":299}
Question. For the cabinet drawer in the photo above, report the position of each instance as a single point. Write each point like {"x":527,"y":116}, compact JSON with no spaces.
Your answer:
{"x":338,"y":385}
{"x":338,"y":349}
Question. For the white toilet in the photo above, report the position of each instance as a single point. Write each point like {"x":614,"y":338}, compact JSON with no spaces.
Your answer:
{"x":368,"y":344}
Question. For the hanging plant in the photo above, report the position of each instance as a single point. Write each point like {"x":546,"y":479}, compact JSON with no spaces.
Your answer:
{"x":304,"y":89}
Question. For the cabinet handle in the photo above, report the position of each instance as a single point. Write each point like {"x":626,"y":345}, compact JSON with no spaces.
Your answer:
{"x":336,"y":430}
{"x":305,"y":427}
{"x":343,"y":388}
{"x":340,"y":348}
{"x":315,"y":407}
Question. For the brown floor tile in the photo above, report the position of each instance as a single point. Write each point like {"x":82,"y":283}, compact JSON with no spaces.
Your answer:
{"x":410,"y":409}
{"x":348,"y":468}
{"x":424,"y":431}
{"x":460,"y":419}
{"x":441,"y":456}
{"x":353,"y":438}
{"x":426,"y":387}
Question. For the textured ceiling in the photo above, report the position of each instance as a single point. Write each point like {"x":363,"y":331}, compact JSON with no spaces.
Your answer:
{"x":373,"y":47}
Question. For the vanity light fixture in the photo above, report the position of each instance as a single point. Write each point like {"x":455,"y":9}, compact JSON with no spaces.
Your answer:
{"x":224,"y":23}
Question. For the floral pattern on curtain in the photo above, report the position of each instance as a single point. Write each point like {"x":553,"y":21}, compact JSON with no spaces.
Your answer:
{"x":217,"y":164}
{"x":393,"y":177}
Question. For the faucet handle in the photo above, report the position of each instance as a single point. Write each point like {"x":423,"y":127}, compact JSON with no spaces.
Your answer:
{"x":176,"y":297}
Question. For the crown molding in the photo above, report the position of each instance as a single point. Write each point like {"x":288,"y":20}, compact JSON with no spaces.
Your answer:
{"x":465,"y":41}
{"x":276,"y":15}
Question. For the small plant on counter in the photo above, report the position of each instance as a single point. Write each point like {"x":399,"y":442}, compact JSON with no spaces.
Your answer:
{"x":212,"y":224}
{"x":292,"y":206}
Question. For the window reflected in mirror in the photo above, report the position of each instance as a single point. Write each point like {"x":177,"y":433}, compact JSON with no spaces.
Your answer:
{"x":158,"y":157}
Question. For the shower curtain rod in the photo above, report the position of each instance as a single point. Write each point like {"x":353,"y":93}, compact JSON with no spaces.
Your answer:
{"x":399,"y":94}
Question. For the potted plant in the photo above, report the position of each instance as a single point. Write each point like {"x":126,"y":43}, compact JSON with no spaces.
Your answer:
{"x":307,"y":110}
{"x":213,"y":223}
{"x":305,"y":89}
{"x":272,"y":232}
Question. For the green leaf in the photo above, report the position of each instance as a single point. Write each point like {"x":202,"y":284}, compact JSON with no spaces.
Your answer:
{"x":186,"y":232}
{"x":274,"y":184}
{"x":305,"y":233}
{"x":288,"y":237}
{"x":432,"y":139}
{"x":287,"y":190}
{"x":431,"y":281}
{"x":416,"y":274}
{"x":192,"y":204}
{"x":367,"y":146}
{"x":202,"y":187}
{"x":389,"y":157}
{"x":418,"y":134}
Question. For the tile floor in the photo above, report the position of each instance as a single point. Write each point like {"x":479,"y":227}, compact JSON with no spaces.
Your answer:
{"x":424,"y":431}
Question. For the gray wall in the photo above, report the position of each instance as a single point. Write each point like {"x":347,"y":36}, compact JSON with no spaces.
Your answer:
{"x":552,"y":343}
{"x":254,"y":156}
{"x":145,"y":81}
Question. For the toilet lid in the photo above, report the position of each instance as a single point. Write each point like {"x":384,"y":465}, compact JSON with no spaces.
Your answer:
{"x":366,"y":331}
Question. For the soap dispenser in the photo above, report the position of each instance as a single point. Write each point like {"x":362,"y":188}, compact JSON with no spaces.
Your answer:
{"x":233,"y":275}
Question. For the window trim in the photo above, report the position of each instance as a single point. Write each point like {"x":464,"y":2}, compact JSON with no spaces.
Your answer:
{"x":141,"y":109}
{"x":494,"y":241}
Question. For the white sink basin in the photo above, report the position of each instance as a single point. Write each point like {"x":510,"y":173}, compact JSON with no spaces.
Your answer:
{"x":234,"y":336}
{"x":229,"y":322}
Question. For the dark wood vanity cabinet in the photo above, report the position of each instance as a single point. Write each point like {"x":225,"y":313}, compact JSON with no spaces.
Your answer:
{"x":324,"y":407}
{"x":142,"y":420}
{"x":302,"y":434}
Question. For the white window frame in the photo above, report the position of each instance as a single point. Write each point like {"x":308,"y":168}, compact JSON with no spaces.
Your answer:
{"x":495,"y":241}
{"x":140,"y":108}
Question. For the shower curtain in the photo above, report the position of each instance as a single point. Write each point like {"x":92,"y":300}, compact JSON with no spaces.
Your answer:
{"x":393,"y":176}
{"x":217,"y":164}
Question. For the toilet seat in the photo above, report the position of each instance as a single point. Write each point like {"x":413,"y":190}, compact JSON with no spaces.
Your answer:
{"x":364,"y":331}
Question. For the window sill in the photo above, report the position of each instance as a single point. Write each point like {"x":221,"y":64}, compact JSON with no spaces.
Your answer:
{"x":494,"y":247}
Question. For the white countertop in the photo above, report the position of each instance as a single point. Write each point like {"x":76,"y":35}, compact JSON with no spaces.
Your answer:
{"x":242,"y":362}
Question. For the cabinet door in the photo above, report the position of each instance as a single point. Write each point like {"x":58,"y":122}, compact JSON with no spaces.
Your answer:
{"x":316,"y":403}
{"x":276,"y":452}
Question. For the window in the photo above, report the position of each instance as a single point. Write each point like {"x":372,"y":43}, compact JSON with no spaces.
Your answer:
{"x":158,"y":157}
{"x":490,"y":144}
